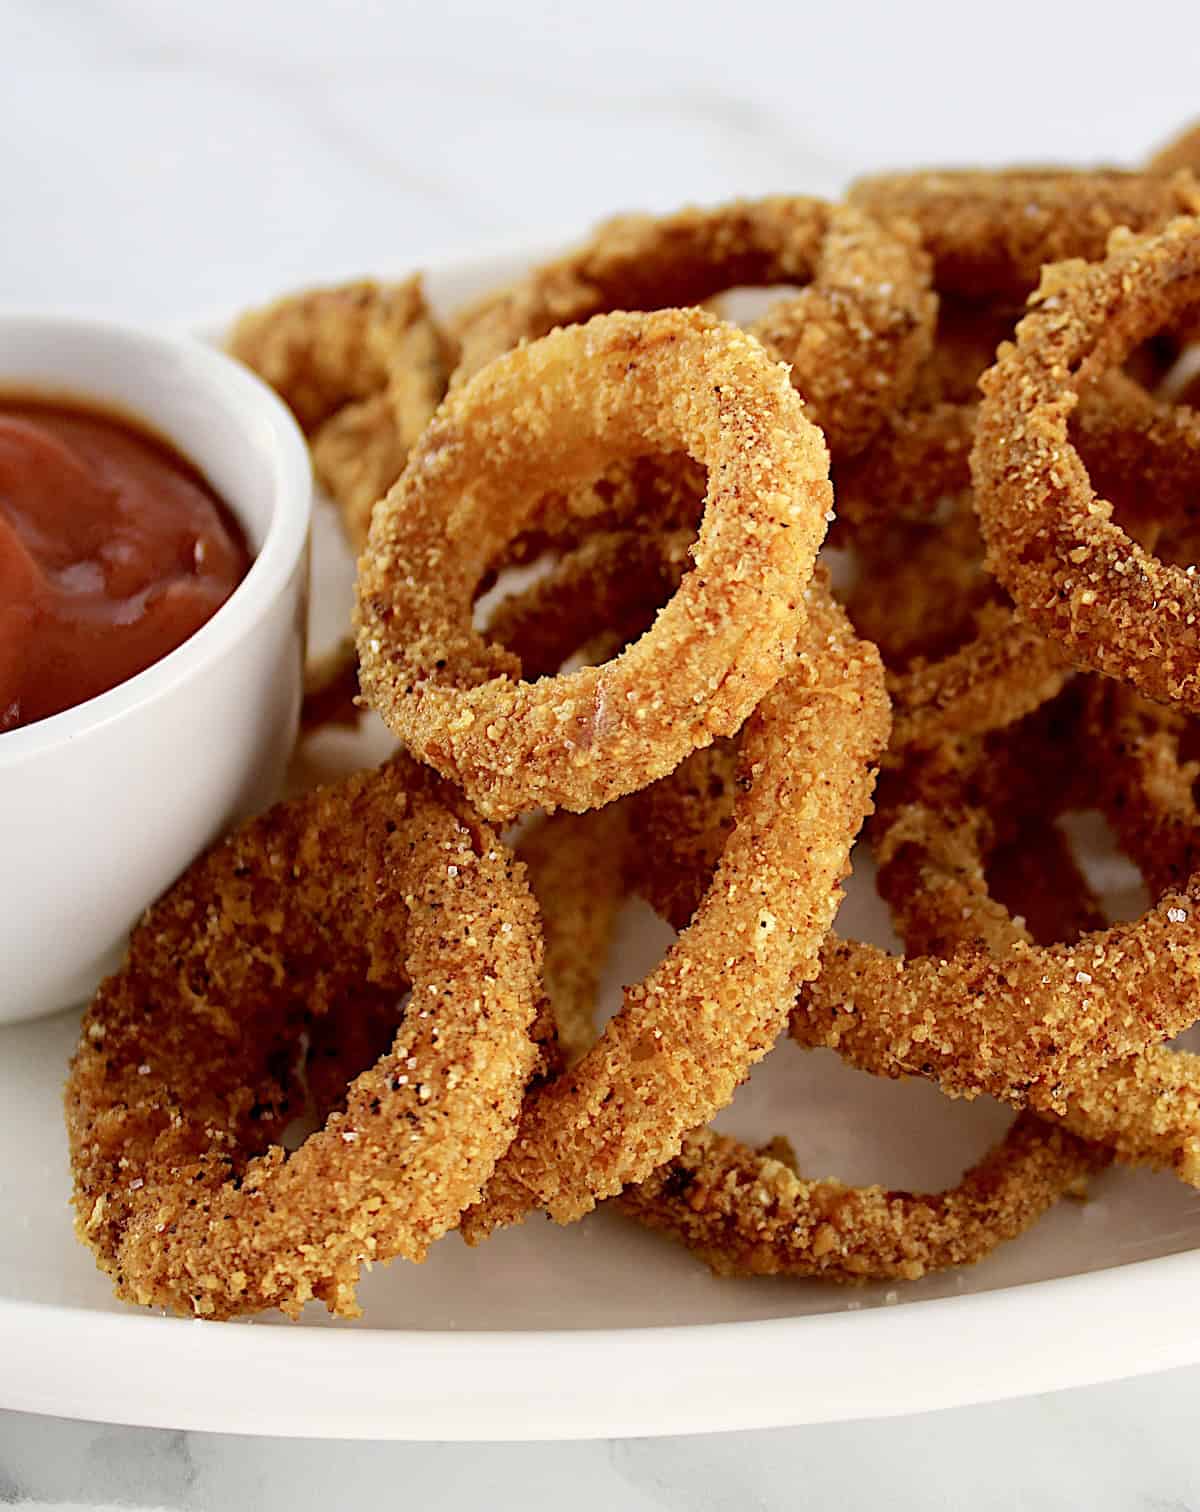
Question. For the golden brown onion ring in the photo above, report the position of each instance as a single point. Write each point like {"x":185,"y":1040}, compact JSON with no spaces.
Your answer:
{"x":855,"y":335}
{"x":1075,"y":573}
{"x":1070,"y":1031}
{"x":546,"y":415}
{"x":185,"y":1077}
{"x":687,"y":1035}
{"x":990,"y":231}
{"x":1145,"y":453}
{"x":742,"y":1210}
{"x":937,"y":829}
{"x":746,"y":1212}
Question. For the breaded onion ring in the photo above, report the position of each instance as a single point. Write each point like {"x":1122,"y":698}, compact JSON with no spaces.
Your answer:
{"x":546,"y":415}
{"x":1076,"y":574}
{"x":1005,"y":1025}
{"x":902,"y":1018}
{"x":185,"y":1076}
{"x":362,"y":366}
{"x":742,"y":1210}
{"x":687,"y":1035}
{"x":1146,"y":453}
{"x":1005,"y":670}
{"x":745,"y":1212}
{"x":854,"y":336}
{"x":989,"y":232}
{"x":939,"y":835}
{"x":934,"y":848}
{"x":1000,"y":1016}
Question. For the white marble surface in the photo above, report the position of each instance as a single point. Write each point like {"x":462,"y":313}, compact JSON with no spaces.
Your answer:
{"x":1127,"y":1448}
{"x":171,"y":160}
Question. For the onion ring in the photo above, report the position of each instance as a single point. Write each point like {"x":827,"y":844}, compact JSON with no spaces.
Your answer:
{"x":362,"y":366}
{"x":1128,"y":438}
{"x":877,"y":1014}
{"x":184,"y":1077}
{"x":1026,"y":1035}
{"x":1075,"y":573}
{"x":1146,"y":1106}
{"x":855,"y":336}
{"x":688,"y":1034}
{"x":1146,"y":453}
{"x":746,"y":1212}
{"x":1000,"y":1016}
{"x":742,"y":1210}
{"x":650,"y":382}
{"x":990,"y":232}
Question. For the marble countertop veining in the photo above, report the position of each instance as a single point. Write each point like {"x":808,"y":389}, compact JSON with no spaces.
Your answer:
{"x":164,"y":161}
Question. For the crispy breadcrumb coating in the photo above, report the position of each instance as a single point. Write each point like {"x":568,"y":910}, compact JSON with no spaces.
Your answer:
{"x":544,"y":415}
{"x":186,"y":1073}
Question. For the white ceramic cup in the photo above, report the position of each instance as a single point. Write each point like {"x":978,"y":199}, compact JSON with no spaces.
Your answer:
{"x":102,"y":806}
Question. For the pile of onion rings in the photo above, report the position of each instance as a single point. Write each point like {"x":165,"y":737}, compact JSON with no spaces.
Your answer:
{"x":592,"y":598}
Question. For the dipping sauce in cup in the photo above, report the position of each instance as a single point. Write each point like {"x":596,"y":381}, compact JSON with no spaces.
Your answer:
{"x":113,"y":551}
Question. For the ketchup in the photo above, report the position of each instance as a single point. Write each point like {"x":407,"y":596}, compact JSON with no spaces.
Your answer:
{"x":113,"y":551}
